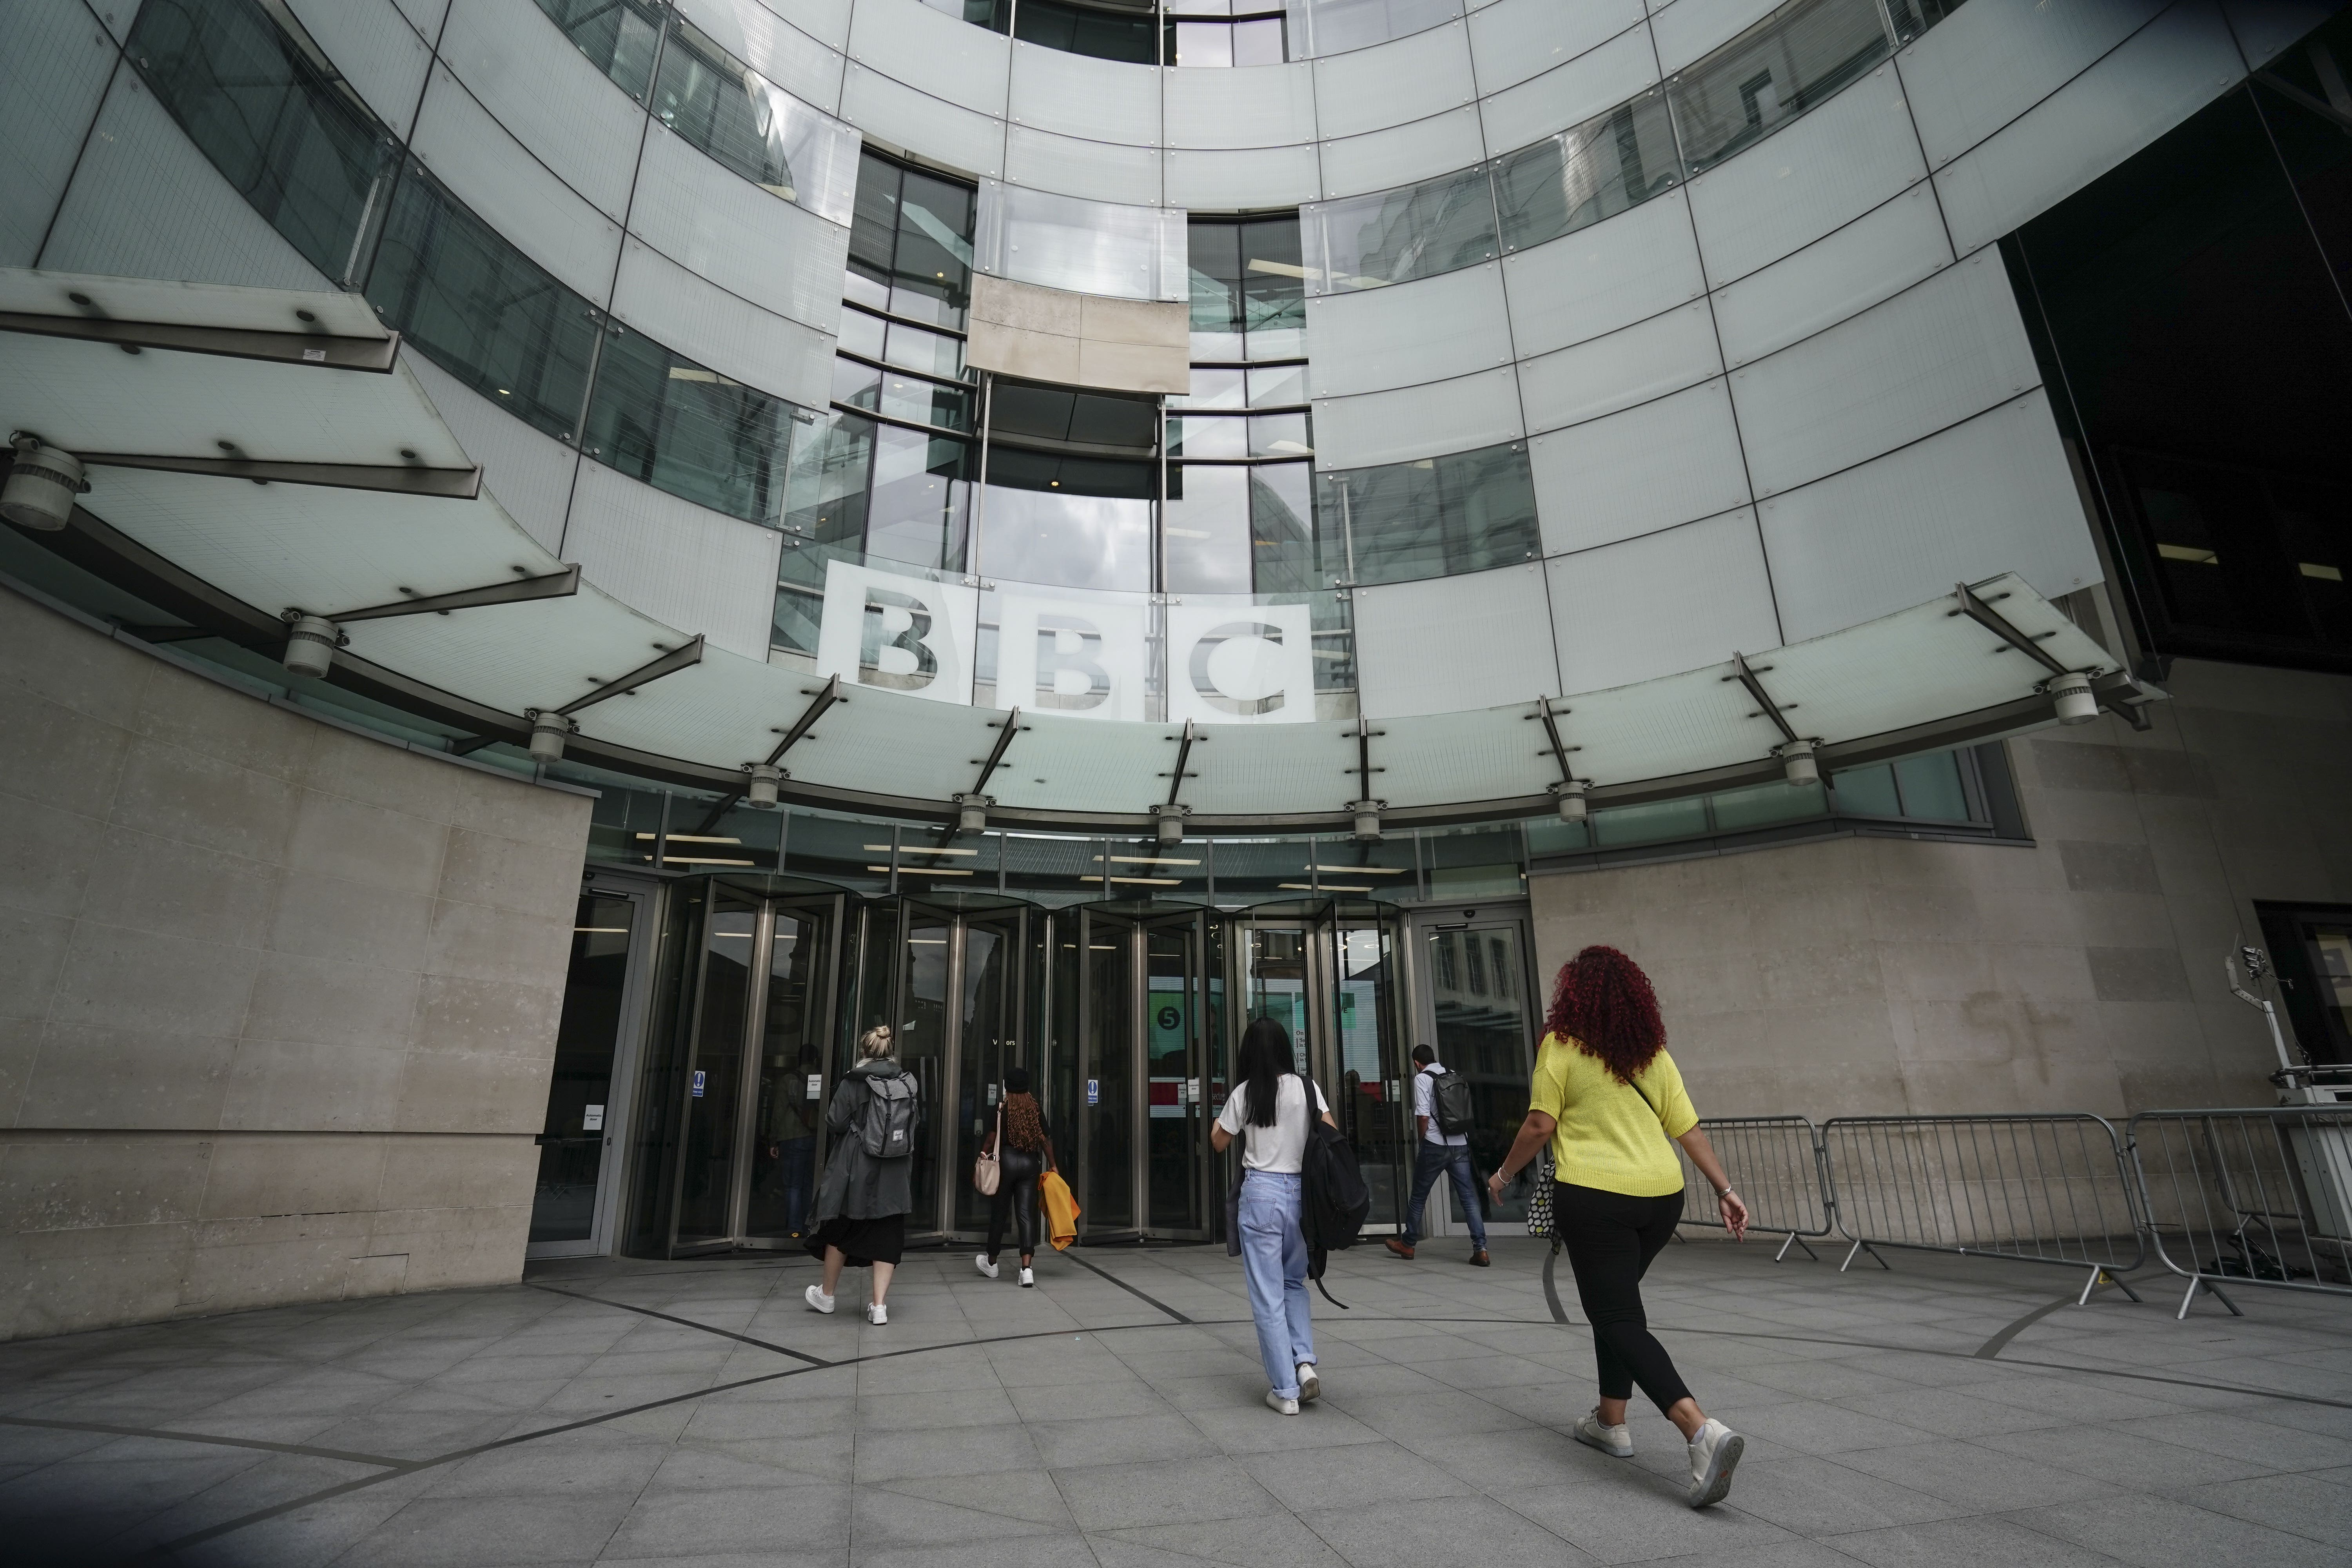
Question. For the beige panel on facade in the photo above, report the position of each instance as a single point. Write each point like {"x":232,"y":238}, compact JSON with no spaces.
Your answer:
{"x":277,"y":1001}
{"x":1079,"y":340}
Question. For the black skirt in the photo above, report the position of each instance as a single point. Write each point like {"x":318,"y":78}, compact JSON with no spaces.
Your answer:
{"x":865,"y":1242}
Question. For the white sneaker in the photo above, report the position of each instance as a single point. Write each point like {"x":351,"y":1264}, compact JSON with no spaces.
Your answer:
{"x":817,"y":1300}
{"x":1311,"y":1386}
{"x":1713,"y":1455}
{"x":1616,"y":1440}
{"x":876,"y":1313}
{"x":980,"y":1261}
{"x":1028,"y":1280}
{"x":1279,"y":1406}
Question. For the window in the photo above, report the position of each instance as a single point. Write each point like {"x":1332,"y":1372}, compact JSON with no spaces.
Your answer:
{"x":1785,"y":64}
{"x":1465,"y":512}
{"x":1223,"y":33}
{"x":723,"y":106}
{"x":679,"y":427}
{"x":622,"y":36}
{"x":910,"y":243}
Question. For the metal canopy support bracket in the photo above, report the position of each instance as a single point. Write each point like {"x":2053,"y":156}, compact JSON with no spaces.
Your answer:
{"x":552,"y":585}
{"x":389,"y":478}
{"x":1767,"y":708}
{"x":2123,"y":696}
{"x":1185,"y":743}
{"x":972,"y":806}
{"x":327,"y":350}
{"x":1981,"y":612}
{"x":682,"y":657}
{"x":825,"y":698}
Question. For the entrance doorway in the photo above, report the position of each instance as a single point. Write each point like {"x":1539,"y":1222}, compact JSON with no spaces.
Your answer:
{"x":1477,"y":1006}
{"x":574,"y":1203}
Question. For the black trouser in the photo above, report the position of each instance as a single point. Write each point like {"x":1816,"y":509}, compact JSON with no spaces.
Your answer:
{"x":1611,"y":1239}
{"x":1016,"y":1193}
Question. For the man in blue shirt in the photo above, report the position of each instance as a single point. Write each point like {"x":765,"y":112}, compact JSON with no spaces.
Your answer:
{"x":1441,"y":1152}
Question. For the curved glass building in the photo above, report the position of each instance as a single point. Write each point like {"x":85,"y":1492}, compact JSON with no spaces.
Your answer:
{"x":564,"y":557}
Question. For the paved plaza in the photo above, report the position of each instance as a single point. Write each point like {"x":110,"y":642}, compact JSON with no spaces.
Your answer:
{"x":1951,"y":1411}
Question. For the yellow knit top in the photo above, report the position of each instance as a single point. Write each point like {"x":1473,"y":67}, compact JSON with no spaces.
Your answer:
{"x":1613,"y":1136}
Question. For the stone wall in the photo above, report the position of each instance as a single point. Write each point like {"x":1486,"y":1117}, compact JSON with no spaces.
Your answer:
{"x":277,"y":1001}
{"x":1891,"y":975}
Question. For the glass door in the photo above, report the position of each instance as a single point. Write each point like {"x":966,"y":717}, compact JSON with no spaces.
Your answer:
{"x":787,"y":1100}
{"x":706,"y":1190}
{"x":1174,"y":1037}
{"x":1110,"y":1094}
{"x":1476,"y":1008}
{"x":1372,"y":1061}
{"x":571,"y":1205}
{"x":928,"y":958}
{"x":988,"y":1027}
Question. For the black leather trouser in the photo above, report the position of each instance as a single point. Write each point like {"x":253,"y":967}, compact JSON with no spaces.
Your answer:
{"x":1016,"y":1195}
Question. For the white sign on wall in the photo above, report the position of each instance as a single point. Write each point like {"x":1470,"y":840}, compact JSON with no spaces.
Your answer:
{"x":1237,"y":663}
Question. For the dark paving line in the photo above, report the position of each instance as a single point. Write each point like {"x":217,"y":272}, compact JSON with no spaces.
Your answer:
{"x":688,"y":1322}
{"x":1130,"y":1289}
{"x":178,"y":1437}
{"x":1992,"y":1347}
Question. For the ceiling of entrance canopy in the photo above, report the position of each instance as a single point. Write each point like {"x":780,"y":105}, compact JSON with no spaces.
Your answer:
{"x":1923,"y":673}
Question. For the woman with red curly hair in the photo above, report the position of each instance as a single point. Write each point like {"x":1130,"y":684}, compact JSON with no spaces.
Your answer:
{"x":1607,"y":1098}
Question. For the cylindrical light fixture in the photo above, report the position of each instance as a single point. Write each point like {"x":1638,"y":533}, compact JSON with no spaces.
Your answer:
{"x":1367,"y":814}
{"x":310,"y":644}
{"x":548,"y":732}
{"x":1796,"y":762}
{"x":41,"y":485}
{"x":1568,"y":798}
{"x":1171,"y":826}
{"x":759,"y":788}
{"x":972,"y":812}
{"x":2072,"y":695}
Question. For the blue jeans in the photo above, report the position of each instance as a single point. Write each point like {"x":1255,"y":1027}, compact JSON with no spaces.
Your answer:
{"x":1451,"y":1159}
{"x":1273,"y":1259}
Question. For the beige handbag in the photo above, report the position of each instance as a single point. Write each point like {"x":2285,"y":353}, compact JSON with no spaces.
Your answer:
{"x":989,"y":1169}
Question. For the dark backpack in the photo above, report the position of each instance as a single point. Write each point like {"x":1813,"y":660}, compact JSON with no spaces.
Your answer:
{"x":888,"y":1129}
{"x":1333,"y":1199}
{"x":1449,"y":1097}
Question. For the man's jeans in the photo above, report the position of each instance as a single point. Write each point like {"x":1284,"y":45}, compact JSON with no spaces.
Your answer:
{"x":1453,"y":1159}
{"x":1274,"y":1260}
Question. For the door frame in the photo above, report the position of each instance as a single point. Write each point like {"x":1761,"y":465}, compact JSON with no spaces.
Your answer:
{"x":1468,"y":914}
{"x":1196,"y":1052}
{"x":645,"y":895}
{"x":755,"y":1029}
{"x":945,"y":1118}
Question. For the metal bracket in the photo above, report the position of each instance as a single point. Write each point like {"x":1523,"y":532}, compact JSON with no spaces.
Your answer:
{"x":682,"y":657}
{"x":825,"y":699}
{"x":1741,"y":673}
{"x":389,"y":478}
{"x":1551,"y":731}
{"x":1005,"y":728}
{"x":522,"y":590}
{"x":1981,"y":612}
{"x":1364,"y":770}
{"x":1185,"y":743}
{"x":324,"y":348}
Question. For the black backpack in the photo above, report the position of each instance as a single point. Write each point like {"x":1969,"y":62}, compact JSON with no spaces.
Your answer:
{"x":888,"y":1129}
{"x":1449,"y":1097}
{"x":1333,"y":1199}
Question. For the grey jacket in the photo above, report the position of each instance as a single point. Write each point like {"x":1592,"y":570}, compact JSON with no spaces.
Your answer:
{"x":856,"y":1185}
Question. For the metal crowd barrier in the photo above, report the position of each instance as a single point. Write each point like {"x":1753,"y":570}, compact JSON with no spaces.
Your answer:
{"x":2035,"y":1189}
{"x":1775,"y":1165}
{"x":2254,"y":1196}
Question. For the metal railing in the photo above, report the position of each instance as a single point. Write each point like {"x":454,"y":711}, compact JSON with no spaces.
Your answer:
{"x":2035,"y":1189}
{"x":1775,"y":1165}
{"x":2254,"y":1196}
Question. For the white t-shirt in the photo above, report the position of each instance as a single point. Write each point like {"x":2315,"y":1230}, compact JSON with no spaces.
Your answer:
{"x":1424,"y":1103}
{"x":1281,"y":1148}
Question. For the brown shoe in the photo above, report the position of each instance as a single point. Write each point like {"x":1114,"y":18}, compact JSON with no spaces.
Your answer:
{"x":1478,"y":1258}
{"x":1398,"y":1248}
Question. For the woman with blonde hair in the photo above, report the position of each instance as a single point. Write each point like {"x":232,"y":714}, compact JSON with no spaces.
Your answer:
{"x":868,"y":1188}
{"x":1607,"y":1098}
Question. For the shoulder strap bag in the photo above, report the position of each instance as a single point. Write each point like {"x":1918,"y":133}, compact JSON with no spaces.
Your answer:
{"x":988,"y":1170}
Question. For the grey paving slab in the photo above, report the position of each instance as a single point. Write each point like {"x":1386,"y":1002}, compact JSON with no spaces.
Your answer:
{"x":1983,"y":1541}
{"x":744,"y":1519}
{"x":2309,"y":1505}
{"x":1442,"y":1530}
{"x":1116,"y":1497}
{"x":2159,"y":1532}
{"x":462,"y":1532}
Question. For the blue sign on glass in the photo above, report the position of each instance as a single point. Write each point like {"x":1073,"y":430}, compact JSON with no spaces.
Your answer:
{"x":1094,"y":1091}
{"x":697,"y":1083}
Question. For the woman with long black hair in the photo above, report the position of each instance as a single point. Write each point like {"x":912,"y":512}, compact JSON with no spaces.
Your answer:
{"x":1269,"y":1110}
{"x":1607,"y":1098}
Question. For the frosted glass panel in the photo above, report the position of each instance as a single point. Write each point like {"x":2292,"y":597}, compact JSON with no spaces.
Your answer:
{"x":1426,"y":149}
{"x":1103,"y":101}
{"x":1877,"y":254}
{"x":1394,"y":236}
{"x":1587,"y":173}
{"x":957,"y":138}
{"x":1086,"y":246}
{"x":547,"y":95}
{"x":2167,"y":72}
{"x":1451,"y":642}
{"x":1635,"y":365}
{"x":750,"y":125}
{"x":56,"y":78}
{"x":1800,"y":55}
{"x":1603,"y":278}
{"x":490,"y":172}
{"x":1929,"y":357}
{"x":1255,"y":177}
{"x":1249,"y":106}
{"x":782,"y":257}
{"x":371,"y":44}
{"x":1649,"y":468}
{"x":1571,"y":94}
{"x":1418,"y":421}
{"x":724,"y":331}
{"x":1994,"y":59}
{"x":1427,"y":331}
{"x":1409,"y":79}
{"x":1832,"y":166}
{"x":772,"y":46}
{"x":1989,"y":496}
{"x":1099,"y":171}
{"x":674,"y":560}
{"x":532,"y":472}
{"x":1686,"y":30}
{"x":1679,"y":600}
{"x":1512,"y":40}
{"x":1331,"y":26}
{"x":940,"y":55}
